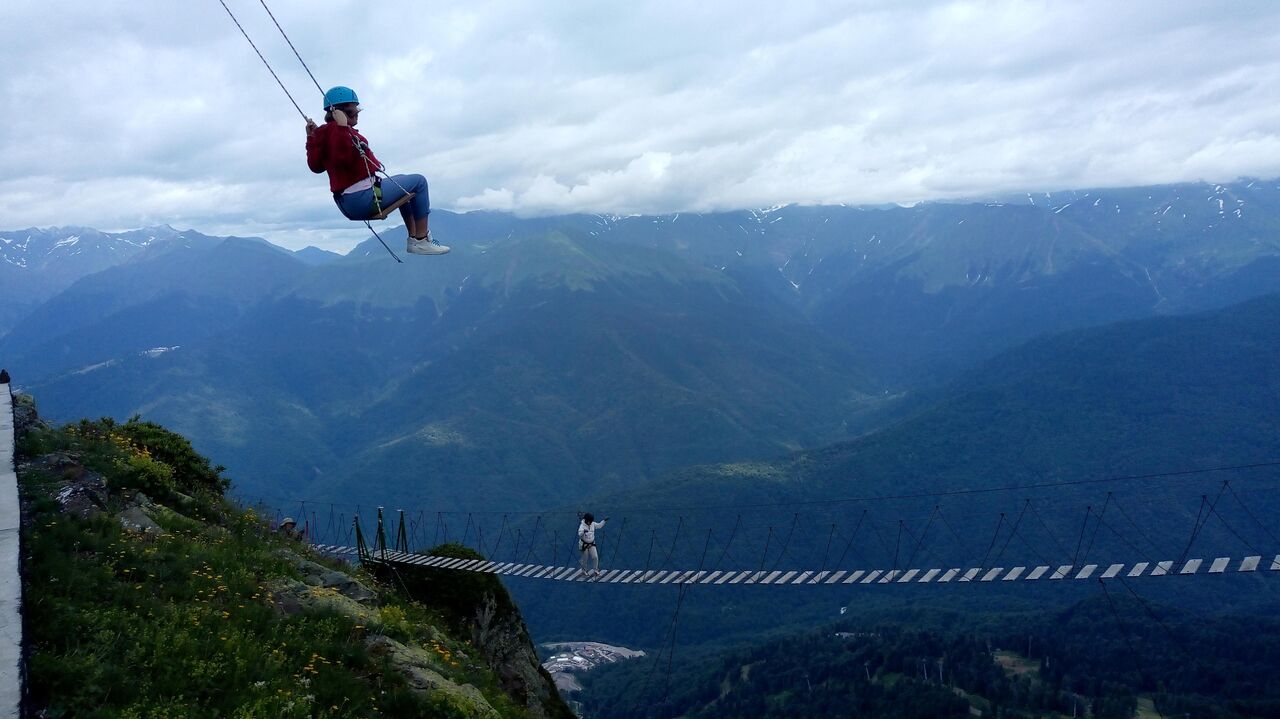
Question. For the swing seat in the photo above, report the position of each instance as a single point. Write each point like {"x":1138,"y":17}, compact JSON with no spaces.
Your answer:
{"x":388,"y":209}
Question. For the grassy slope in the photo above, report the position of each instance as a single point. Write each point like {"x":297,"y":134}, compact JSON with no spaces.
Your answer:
{"x":184,"y":623}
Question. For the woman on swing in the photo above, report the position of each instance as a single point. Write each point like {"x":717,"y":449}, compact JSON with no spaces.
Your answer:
{"x":338,"y":149}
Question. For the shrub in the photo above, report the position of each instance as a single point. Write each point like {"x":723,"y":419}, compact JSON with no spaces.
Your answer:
{"x":192,"y":472}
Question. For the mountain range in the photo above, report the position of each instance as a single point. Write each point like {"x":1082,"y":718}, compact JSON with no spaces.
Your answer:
{"x":549,"y":359}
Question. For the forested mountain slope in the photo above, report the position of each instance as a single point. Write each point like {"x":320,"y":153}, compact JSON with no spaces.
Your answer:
{"x":1154,"y":396}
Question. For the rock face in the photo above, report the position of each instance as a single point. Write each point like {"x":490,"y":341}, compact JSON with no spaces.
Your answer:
{"x":503,"y":640}
{"x":479,"y":604}
{"x":25,"y":416}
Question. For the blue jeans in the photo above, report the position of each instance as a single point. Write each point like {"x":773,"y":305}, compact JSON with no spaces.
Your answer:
{"x":359,"y":205}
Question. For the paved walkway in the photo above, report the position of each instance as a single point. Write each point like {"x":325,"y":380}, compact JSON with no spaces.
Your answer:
{"x":10,"y":580}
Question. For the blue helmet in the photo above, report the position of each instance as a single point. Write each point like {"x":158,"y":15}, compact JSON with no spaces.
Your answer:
{"x":338,"y":96}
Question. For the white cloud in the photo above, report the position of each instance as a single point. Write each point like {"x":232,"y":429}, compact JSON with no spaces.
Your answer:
{"x":128,"y":114}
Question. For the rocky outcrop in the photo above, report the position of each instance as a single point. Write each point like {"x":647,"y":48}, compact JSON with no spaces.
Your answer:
{"x":327,"y":590}
{"x":25,"y":416}
{"x":478,"y":604}
{"x":416,"y":666}
{"x":85,"y":497}
{"x":504,"y":641}
{"x":316,"y":575}
{"x":83,"y":494}
{"x":290,"y":597}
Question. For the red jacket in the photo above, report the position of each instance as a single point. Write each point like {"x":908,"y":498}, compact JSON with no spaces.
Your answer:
{"x":331,"y":149}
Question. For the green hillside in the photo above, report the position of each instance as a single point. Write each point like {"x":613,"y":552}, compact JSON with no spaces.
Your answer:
{"x":147,"y":594}
{"x":1135,"y":397}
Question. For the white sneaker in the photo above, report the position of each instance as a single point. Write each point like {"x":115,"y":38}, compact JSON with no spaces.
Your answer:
{"x":427,"y":246}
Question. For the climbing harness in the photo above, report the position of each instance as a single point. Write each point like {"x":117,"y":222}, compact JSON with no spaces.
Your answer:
{"x":380,"y":212}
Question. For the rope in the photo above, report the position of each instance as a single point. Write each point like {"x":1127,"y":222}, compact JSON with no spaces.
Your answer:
{"x":827,"y":554}
{"x":960,"y":543}
{"x":794,"y":518}
{"x":670,"y":632}
{"x":676,"y":536}
{"x":918,"y":543}
{"x":384,"y":244}
{"x":1128,"y":640}
{"x":897,"y":547}
{"x":912,"y":559}
{"x":617,"y":543}
{"x":264,"y":61}
{"x":1151,"y":613}
{"x":849,"y":544}
{"x":705,"y":547}
{"x":994,"y":536}
{"x":1201,"y":525}
{"x":1096,"y":525}
{"x":880,"y":537}
{"x":1012,"y":532}
{"x":765,"y":555}
{"x":533,"y":538}
{"x":1088,"y":512}
{"x":1036,"y":513}
{"x":671,"y":650}
{"x":291,"y":47}
{"x":1031,"y":547}
{"x":497,"y":543}
{"x":1138,"y":529}
{"x":1252,"y":516}
{"x":1216,"y":513}
{"x":1125,"y":539}
{"x":732,"y":534}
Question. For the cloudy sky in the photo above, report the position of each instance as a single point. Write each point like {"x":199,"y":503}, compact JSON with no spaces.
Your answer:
{"x":125,"y":114}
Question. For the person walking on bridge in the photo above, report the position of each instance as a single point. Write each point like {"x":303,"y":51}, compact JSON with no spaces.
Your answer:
{"x":587,"y":544}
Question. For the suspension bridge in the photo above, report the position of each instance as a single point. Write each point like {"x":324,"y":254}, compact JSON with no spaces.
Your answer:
{"x":1232,"y":544}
